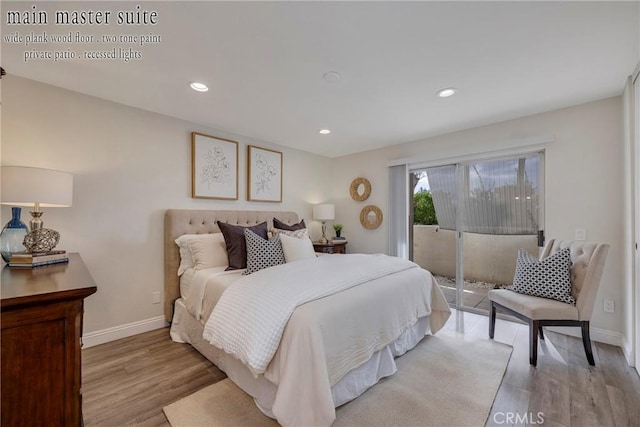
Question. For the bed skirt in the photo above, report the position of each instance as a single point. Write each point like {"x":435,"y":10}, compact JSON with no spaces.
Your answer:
{"x":185,"y":328}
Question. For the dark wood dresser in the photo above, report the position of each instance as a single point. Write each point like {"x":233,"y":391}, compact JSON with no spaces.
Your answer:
{"x":41,"y":318}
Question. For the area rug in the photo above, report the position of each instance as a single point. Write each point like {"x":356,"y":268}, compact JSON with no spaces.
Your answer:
{"x":446,"y":380}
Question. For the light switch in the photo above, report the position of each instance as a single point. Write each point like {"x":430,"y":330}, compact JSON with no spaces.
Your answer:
{"x":580,"y":234}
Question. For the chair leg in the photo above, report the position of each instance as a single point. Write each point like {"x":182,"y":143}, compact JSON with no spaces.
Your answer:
{"x":540,"y":333}
{"x":492,"y":320}
{"x":533,"y":342}
{"x":586,"y":342}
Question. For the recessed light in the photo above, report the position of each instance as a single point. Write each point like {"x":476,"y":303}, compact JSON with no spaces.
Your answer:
{"x":325,"y":131}
{"x":331,"y":76}
{"x":445,"y":93}
{"x":200,"y":87}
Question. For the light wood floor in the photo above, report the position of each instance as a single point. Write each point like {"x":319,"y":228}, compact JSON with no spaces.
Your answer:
{"x":127,"y":382}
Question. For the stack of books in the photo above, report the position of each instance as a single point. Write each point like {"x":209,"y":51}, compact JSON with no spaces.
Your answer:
{"x":37,"y":259}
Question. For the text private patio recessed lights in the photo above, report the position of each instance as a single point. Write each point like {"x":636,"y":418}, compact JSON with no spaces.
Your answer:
{"x":325,"y":131}
{"x":447,"y":92}
{"x":200,"y":87}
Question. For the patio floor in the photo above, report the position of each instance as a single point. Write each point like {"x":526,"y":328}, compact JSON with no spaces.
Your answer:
{"x":475,"y":293}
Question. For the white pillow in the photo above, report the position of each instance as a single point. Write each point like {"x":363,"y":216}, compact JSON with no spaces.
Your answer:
{"x":208,"y":251}
{"x":300,"y":234}
{"x":295,"y":248}
{"x":186,"y":260}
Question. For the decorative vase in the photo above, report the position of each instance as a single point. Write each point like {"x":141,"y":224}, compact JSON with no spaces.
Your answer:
{"x":338,"y":233}
{"x":12,"y":235}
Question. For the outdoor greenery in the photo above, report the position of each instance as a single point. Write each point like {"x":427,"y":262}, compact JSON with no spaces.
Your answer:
{"x":424,"y":212}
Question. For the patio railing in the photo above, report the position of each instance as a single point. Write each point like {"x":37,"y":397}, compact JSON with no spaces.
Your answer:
{"x":487,"y":257}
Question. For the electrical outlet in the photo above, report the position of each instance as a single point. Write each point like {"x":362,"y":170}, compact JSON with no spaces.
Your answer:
{"x":156,"y":298}
{"x":580,"y":234}
{"x":609,"y":306}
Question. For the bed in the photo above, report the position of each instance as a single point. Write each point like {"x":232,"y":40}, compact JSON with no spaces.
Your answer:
{"x":331,"y":349}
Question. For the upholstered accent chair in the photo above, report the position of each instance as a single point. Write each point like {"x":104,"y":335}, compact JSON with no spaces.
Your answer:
{"x":588,"y":262}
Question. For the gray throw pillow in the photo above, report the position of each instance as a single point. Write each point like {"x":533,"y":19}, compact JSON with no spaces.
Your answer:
{"x":235,"y":242}
{"x":284,"y":226}
{"x":546,"y":278}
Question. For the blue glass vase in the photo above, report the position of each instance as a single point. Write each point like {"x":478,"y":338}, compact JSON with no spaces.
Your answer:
{"x":12,"y":235}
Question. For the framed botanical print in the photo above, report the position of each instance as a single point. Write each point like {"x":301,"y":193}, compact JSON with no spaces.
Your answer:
{"x":214,"y":167}
{"x":264,"y":175}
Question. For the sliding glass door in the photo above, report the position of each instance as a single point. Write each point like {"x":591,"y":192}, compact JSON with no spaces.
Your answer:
{"x":469,"y":219}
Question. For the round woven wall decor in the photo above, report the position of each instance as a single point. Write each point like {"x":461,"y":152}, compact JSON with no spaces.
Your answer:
{"x":371,"y":217}
{"x":354,"y":189}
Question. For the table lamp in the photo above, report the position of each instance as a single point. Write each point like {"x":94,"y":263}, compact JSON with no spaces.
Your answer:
{"x":37,"y":188}
{"x":324,"y":213}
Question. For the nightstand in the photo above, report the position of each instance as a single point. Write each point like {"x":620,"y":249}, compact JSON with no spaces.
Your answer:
{"x":330,"y":248}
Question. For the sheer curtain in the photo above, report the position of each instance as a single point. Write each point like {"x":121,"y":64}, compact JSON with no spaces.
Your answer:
{"x":399,"y":211}
{"x":444,"y":193}
{"x":497,"y":196}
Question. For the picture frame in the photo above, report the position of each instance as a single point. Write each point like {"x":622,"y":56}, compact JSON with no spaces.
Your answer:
{"x":264,"y":175}
{"x":214,"y":167}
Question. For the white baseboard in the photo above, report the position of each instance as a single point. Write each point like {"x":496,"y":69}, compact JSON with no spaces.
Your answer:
{"x":123,"y":331}
{"x":596,"y":334}
{"x":627,"y":350}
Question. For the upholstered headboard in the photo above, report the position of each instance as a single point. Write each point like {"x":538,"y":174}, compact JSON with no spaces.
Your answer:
{"x":185,"y":221}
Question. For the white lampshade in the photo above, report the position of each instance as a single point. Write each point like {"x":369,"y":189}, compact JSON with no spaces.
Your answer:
{"x":324,"y":212}
{"x":26,"y":186}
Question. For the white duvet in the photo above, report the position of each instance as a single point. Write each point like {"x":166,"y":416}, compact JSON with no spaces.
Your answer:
{"x":322,"y":340}
{"x":251,"y":315}
{"x":194,"y":296}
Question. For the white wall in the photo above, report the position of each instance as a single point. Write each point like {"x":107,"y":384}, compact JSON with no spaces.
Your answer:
{"x":129,"y":166}
{"x":584,"y":183}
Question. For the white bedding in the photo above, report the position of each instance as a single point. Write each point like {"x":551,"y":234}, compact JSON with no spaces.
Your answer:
{"x":185,"y":280}
{"x":323,"y":340}
{"x":251,"y":315}
{"x":185,"y":328}
{"x":206,"y":288}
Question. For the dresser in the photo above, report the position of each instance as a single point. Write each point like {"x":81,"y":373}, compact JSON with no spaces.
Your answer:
{"x":41,"y":321}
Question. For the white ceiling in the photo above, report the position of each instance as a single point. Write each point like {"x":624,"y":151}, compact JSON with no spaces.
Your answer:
{"x":264,"y":63}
